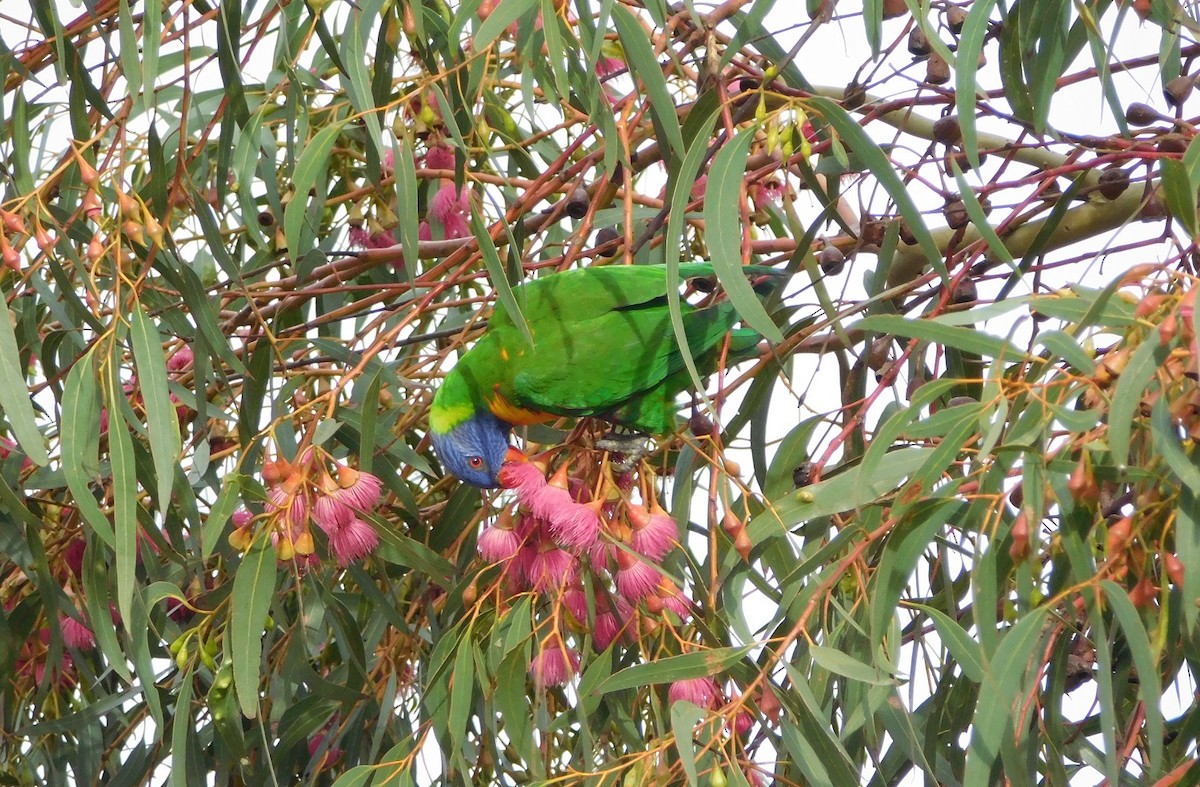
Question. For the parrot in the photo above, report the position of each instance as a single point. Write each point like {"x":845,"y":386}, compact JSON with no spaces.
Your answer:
{"x":602,"y":345}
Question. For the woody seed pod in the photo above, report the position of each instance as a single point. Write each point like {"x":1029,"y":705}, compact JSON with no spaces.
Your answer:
{"x":955,"y":19}
{"x":1177,"y":90}
{"x":956,"y":214}
{"x":1113,"y":183}
{"x":577,"y":203}
{"x":918,"y":43}
{"x":1139,"y":114}
{"x":831,"y":260}
{"x":937,"y":70}
{"x":947,"y":130}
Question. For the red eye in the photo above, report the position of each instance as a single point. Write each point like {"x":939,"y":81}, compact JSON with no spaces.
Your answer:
{"x":475,"y":462}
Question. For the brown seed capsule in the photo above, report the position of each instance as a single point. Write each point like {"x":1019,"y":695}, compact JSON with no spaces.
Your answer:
{"x":1154,"y":209}
{"x":955,"y":19}
{"x":470,"y":594}
{"x":964,"y":291}
{"x":906,"y":234}
{"x":937,"y":70}
{"x":918,"y":43}
{"x":959,"y":401}
{"x":607,"y":235}
{"x":701,"y":425}
{"x":577,"y":203}
{"x":802,"y":474}
{"x":732,"y":525}
{"x":894,"y":8}
{"x":1177,"y":90}
{"x":1016,"y":496}
{"x":872,"y":231}
{"x":703,"y":284}
{"x":879,"y":353}
{"x":1113,"y":183}
{"x":947,"y":130}
{"x":956,"y":214}
{"x":831,"y":260}
{"x":1139,"y":114}
{"x":1172,"y":143}
{"x":854,"y":95}
{"x":266,"y":218}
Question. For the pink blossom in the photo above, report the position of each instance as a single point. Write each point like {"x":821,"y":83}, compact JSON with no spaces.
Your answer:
{"x":525,"y":477}
{"x":549,"y":502}
{"x":654,"y":533}
{"x":439,"y":157}
{"x":241,"y":518}
{"x":75,"y":634}
{"x":424,"y":232}
{"x":550,"y":568}
{"x":316,"y":742}
{"x":366,"y":239}
{"x":331,"y":514}
{"x":389,"y":161}
{"x":576,"y":525}
{"x":357,"y":489}
{"x":602,"y":553}
{"x":450,"y":206}
{"x":635,"y":578}
{"x":73,"y":556}
{"x":181,"y":359}
{"x":673,"y":599}
{"x":609,"y":65}
{"x":702,"y":692}
{"x":606,"y":630}
{"x":554,"y":665}
{"x":353,"y":542}
{"x":742,"y":723}
{"x":575,"y":600}
{"x":498,"y":544}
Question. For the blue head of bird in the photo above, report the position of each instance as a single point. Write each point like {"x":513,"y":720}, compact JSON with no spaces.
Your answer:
{"x":474,"y":449}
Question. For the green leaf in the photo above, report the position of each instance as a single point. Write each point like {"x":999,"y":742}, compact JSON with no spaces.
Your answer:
{"x":80,"y":441}
{"x":14,"y":393}
{"x":965,"y":339}
{"x":644,"y":66}
{"x":504,"y":14}
{"x":1148,"y":682}
{"x":124,"y":490}
{"x":160,"y":412}
{"x":491,"y":259}
{"x":724,"y":232}
{"x":684,"y":718}
{"x":672,"y":668}
{"x":1179,"y":194}
{"x":965,"y":650}
{"x":1005,"y":683}
{"x":970,"y":45}
{"x":253,"y":589}
{"x":842,"y":663}
{"x":309,"y":168}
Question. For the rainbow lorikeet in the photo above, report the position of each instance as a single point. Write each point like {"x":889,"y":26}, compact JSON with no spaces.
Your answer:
{"x":603,"y":346}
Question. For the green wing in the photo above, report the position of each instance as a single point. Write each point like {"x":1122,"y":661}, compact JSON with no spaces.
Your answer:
{"x":604,"y":339}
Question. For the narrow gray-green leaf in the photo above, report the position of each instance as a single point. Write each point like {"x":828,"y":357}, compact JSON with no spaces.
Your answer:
{"x":14,"y":393}
{"x":253,"y":588}
{"x":124,"y":491}
{"x":643,"y":65}
{"x":79,"y":437}
{"x":672,"y":668}
{"x":311,"y":164}
{"x":724,"y":232}
{"x":160,"y":412}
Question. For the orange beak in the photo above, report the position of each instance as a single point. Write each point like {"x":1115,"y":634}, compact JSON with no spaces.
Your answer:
{"x":514,"y":455}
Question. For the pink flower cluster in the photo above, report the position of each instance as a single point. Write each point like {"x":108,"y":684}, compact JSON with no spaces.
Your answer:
{"x":557,"y":532}
{"x":300,"y":494}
